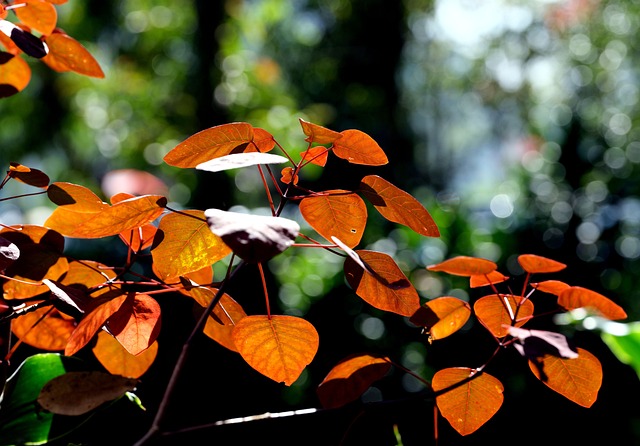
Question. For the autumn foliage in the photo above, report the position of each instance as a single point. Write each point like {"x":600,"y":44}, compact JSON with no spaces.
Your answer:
{"x":62,"y":305}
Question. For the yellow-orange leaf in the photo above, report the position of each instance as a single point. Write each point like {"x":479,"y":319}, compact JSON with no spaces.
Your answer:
{"x":136,"y":324}
{"x":40,"y":258}
{"x":341,"y":214}
{"x":186,"y":245}
{"x":578,"y":297}
{"x":469,"y":405}
{"x":383,"y":285}
{"x":67,"y":54}
{"x":91,"y":323}
{"x":118,"y":361}
{"x":398,"y":206}
{"x":577,"y":379}
{"x":533,"y":264}
{"x":87,"y":274}
{"x":39,"y":15}
{"x":496,"y":312}
{"x":211,"y":143}
{"x":442,"y":316}
{"x":318,"y":134}
{"x":279,"y":347}
{"x":226,"y":314}
{"x":357,"y":147}
{"x":15,"y":74}
{"x":348,"y":380}
{"x":51,"y":333}
{"x":140,"y":238}
{"x":27,"y":175}
{"x":76,"y":198}
{"x":551,"y":286}
{"x":487,"y":279}
{"x":465,"y":266}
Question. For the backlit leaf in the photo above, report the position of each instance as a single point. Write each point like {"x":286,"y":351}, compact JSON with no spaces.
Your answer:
{"x":469,"y":405}
{"x":226,"y":314}
{"x":382,"y":285}
{"x":287,"y":176}
{"x":28,"y":175}
{"x":254,"y":238}
{"x":341,"y":214}
{"x":15,"y":74}
{"x":397,"y":205}
{"x":75,"y":198}
{"x":76,"y":393}
{"x":487,"y":279}
{"x":211,"y":143}
{"x":91,"y":324}
{"x":87,"y":274}
{"x":578,"y":297}
{"x":577,"y":379}
{"x":551,"y":286}
{"x":262,"y":141}
{"x":534,"y":264}
{"x":496,"y":312}
{"x":318,"y":134}
{"x":67,"y":54}
{"x":279,"y":347}
{"x":118,"y":361}
{"x":185,"y":244}
{"x":349,"y":379}
{"x":137,"y":323}
{"x":139,"y":239}
{"x":357,"y":147}
{"x":465,"y":266}
{"x":40,"y":258}
{"x":239,"y":160}
{"x":51,"y":333}
{"x":39,"y":15}
{"x":316,"y":155}
{"x":442,"y":316}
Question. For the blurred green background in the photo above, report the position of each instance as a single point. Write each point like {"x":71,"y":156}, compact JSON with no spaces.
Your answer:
{"x":514,"y":123}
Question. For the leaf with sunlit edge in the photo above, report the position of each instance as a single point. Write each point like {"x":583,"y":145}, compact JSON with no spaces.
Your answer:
{"x":534,"y":264}
{"x":340,"y":213}
{"x":495,"y":316}
{"x":239,"y":160}
{"x":578,"y":297}
{"x":470,"y":402}
{"x":382,"y":284}
{"x":398,"y":206}
{"x":465,"y":266}
{"x":28,"y":175}
{"x":279,"y":347}
{"x":136,"y":324}
{"x":577,"y":379}
{"x":350,"y":378}
{"x":442,"y":316}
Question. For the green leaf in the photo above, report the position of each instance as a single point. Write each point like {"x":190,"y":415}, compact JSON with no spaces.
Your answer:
{"x":625,"y":346}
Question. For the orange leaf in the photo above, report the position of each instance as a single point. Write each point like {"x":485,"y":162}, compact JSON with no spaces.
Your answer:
{"x":383,"y":285}
{"x":348,"y":380}
{"x":67,"y":54}
{"x":9,"y":44}
{"x":487,"y":279}
{"x":318,"y":134}
{"x":287,"y":174}
{"x":316,"y":155}
{"x":341,"y":214}
{"x":91,"y":324}
{"x":87,"y":274}
{"x":39,"y":15}
{"x":465,"y":266}
{"x":398,"y":206}
{"x":551,"y":286}
{"x":359,"y":148}
{"x":469,"y":405}
{"x":76,"y":198}
{"x":226,"y":314}
{"x":279,"y":347}
{"x":40,"y":258}
{"x":140,"y":238}
{"x":27,"y":175}
{"x":186,"y":245}
{"x":211,"y":143}
{"x":442,"y":316}
{"x":532,"y":264}
{"x":51,"y":333}
{"x":57,"y":2}
{"x":15,"y":74}
{"x":496,"y":312}
{"x":118,"y":361}
{"x":577,"y":379}
{"x":239,"y":160}
{"x":578,"y":297}
{"x":263,"y":141}
{"x":136,"y":324}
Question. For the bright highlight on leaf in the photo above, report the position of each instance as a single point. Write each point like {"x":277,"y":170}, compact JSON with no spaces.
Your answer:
{"x":470,"y":402}
{"x":239,"y":160}
{"x":442,"y":316}
{"x":497,"y":312}
{"x":578,"y":297}
{"x":350,"y":378}
{"x":279,"y":347}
